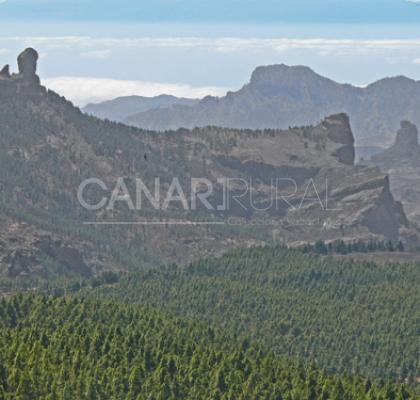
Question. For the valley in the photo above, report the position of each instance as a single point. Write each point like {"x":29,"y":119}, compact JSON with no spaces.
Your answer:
{"x":228,"y":261}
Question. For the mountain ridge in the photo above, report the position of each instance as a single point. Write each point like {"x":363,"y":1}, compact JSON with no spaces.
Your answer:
{"x":279,"y":96}
{"x":125,"y":106}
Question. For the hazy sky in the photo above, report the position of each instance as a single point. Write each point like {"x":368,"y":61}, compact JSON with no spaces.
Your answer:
{"x":286,"y":11}
{"x":94,"y":50}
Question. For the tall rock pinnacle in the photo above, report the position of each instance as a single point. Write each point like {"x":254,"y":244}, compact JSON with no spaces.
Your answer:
{"x":27,"y":62}
{"x":407,"y":137}
{"x":339,"y":131}
{"x":404,"y":151}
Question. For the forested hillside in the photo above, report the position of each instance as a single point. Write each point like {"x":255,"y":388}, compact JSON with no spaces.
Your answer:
{"x":349,"y":316}
{"x":68,"y":348}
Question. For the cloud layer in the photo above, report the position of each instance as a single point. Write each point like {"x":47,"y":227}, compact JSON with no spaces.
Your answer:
{"x":83,"y":90}
{"x":103,"y":46}
{"x":88,"y":68}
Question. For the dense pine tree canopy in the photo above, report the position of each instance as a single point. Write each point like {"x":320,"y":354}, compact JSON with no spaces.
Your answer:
{"x":71,"y":348}
{"x":351,"y":317}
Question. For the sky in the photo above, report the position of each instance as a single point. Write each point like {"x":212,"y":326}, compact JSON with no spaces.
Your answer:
{"x":97,"y":50}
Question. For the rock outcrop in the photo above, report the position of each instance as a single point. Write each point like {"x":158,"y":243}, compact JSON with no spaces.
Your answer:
{"x":339,"y":131}
{"x":25,"y":81}
{"x":407,"y":136}
{"x":27,"y":64}
{"x":402,"y":162}
{"x":404,"y":151}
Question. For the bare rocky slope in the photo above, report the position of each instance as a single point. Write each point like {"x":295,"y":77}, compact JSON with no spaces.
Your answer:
{"x":48,"y":147}
{"x":280,"y":96}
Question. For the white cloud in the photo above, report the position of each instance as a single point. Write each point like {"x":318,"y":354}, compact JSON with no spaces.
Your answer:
{"x":97,"y":54}
{"x":101,"y":47}
{"x":83,"y":90}
{"x":416,"y":61}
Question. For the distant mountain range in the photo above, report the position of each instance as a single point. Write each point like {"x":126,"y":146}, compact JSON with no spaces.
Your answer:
{"x":280,"y":96}
{"x":128,"y":106}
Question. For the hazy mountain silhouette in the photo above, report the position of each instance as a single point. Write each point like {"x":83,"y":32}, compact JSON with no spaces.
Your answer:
{"x":122,"y":107}
{"x":280,"y":96}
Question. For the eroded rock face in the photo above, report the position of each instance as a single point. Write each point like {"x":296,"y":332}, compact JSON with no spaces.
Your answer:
{"x":27,"y":63}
